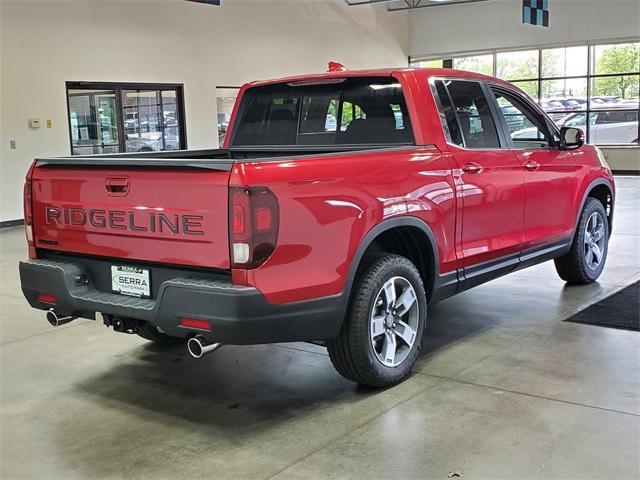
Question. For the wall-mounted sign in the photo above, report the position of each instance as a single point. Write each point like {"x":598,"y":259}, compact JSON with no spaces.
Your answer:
{"x":535,"y":12}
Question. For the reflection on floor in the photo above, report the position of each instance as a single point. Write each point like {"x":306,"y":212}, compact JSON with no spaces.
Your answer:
{"x":505,"y":389}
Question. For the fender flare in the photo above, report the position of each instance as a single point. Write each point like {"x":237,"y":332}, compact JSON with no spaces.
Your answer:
{"x":367,"y":240}
{"x":593,"y":184}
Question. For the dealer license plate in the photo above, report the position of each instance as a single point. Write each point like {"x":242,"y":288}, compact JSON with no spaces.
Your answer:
{"x":131,"y":281}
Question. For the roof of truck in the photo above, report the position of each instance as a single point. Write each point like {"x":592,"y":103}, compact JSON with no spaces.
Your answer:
{"x":381,"y":72}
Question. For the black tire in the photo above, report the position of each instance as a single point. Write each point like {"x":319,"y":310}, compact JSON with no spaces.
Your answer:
{"x":150,"y":332}
{"x":353,"y":353}
{"x":574,"y":267}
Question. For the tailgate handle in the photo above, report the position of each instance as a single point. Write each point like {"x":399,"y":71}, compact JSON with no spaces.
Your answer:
{"x":117,"y":186}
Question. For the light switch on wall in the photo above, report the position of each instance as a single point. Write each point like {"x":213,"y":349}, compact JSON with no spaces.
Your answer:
{"x":49,"y":123}
{"x":12,"y":144}
{"x":34,"y":123}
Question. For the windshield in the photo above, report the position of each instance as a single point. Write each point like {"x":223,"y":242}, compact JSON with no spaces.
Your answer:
{"x":357,"y":111}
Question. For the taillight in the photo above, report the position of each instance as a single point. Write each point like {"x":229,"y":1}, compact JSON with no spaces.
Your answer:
{"x":28,"y":216}
{"x":253,"y":225}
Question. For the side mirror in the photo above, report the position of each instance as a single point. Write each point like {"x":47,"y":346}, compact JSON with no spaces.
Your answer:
{"x":571,"y":138}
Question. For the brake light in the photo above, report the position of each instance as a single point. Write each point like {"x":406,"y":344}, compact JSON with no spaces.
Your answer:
{"x":28,"y":214}
{"x":253,"y":229}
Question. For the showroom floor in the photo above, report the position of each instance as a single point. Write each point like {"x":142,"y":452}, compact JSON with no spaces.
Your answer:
{"x":505,"y":389}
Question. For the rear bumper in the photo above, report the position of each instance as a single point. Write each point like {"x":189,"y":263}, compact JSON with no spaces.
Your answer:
{"x":238,"y":315}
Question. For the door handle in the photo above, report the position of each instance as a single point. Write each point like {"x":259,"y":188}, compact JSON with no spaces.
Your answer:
{"x":472,"y":167}
{"x":531,"y":166}
{"x":117,"y":186}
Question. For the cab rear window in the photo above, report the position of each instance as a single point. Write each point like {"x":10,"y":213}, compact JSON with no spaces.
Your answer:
{"x":357,"y":111}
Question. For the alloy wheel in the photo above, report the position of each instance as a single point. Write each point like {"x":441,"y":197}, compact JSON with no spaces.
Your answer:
{"x":594,"y":241}
{"x":394,"y":321}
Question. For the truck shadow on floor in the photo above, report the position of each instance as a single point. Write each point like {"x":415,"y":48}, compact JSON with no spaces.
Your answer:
{"x":239,"y":386}
{"x":262,"y":381}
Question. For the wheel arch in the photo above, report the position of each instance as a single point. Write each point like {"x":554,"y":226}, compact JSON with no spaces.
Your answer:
{"x":602,"y":190}
{"x":410,"y":237}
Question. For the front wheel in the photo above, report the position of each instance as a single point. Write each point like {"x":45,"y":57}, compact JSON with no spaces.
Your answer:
{"x":585,"y":261}
{"x":381,"y":337}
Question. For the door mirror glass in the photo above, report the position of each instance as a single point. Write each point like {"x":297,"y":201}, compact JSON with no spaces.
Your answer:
{"x":571,"y":138}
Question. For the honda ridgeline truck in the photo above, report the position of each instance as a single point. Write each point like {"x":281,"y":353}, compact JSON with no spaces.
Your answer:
{"x":341,"y":206}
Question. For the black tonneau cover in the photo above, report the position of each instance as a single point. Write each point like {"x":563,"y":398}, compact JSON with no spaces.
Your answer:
{"x":215,"y":159}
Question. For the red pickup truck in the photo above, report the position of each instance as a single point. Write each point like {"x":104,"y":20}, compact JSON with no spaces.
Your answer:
{"x":340,"y":207}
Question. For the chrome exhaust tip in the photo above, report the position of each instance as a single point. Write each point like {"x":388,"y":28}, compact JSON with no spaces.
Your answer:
{"x":198,"y":346}
{"x":55,"y":321}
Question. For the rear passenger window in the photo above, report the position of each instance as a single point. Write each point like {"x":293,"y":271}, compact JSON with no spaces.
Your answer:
{"x":447,"y":114}
{"x":473,"y":114}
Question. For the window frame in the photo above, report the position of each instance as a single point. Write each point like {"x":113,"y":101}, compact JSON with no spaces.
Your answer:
{"x":448,"y":59}
{"x":118,"y":88}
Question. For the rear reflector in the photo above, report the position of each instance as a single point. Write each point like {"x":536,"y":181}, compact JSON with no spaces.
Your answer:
{"x":46,"y":298}
{"x":195,"y":323}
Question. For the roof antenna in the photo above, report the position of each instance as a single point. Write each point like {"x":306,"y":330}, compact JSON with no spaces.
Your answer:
{"x":336,"y":67}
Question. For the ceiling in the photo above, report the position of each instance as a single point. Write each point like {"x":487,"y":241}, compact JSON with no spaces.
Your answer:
{"x":396,"y":5}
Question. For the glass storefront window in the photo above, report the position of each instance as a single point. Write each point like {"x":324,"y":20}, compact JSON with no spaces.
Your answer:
{"x":575,"y":83}
{"x":565,"y":88}
{"x":616,"y":58}
{"x":437,"y":63}
{"x":478,"y":64}
{"x":619,"y":89}
{"x":565,"y":62}
{"x":613,"y":127}
{"x":111,"y":118}
{"x":529,"y":87}
{"x":517,"y":65}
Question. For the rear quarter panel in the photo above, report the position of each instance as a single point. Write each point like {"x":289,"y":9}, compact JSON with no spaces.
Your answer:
{"x":329,"y":203}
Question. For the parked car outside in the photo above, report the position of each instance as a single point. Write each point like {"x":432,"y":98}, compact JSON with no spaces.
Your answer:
{"x":606,"y":127}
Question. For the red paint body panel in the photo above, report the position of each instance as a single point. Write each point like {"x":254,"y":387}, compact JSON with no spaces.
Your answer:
{"x":174,"y":193}
{"x":493,"y":201}
{"x":328,"y":203}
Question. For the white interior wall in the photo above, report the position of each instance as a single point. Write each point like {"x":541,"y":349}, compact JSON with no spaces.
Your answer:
{"x":497,"y":24}
{"x":46,"y":43}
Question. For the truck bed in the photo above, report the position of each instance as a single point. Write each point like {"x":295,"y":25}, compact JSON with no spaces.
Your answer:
{"x":213,"y":159}
{"x":169,"y":207}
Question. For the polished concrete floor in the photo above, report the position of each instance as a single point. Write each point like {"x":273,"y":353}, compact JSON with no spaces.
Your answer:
{"x":504,"y":389}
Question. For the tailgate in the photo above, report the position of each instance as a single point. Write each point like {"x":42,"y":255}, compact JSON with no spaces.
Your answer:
{"x":152,"y":213}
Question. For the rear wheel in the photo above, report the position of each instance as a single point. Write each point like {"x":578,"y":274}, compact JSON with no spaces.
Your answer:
{"x":585,"y":261}
{"x":150,"y":332}
{"x":381,"y":338}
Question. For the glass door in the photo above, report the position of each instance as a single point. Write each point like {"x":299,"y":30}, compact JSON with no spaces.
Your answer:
{"x":93,"y":121}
